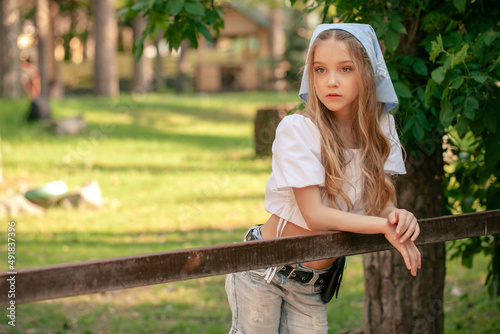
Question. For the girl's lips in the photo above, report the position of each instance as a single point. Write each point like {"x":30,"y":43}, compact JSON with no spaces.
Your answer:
{"x":333,"y":95}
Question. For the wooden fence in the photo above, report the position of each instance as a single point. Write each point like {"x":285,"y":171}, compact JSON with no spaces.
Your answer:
{"x":79,"y":278}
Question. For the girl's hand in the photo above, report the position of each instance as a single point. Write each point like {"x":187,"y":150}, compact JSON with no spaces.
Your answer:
{"x":408,"y":250}
{"x":406,"y":225}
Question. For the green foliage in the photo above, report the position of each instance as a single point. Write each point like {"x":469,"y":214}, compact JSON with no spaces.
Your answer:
{"x":175,"y":20}
{"x":294,"y":52}
{"x":443,"y":57}
{"x":467,"y":57}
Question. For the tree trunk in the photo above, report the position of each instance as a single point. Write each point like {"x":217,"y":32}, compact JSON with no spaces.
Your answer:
{"x":159,"y":80}
{"x":141,"y":80}
{"x":495,"y":263}
{"x":106,"y":40}
{"x":10,"y":73}
{"x":56,"y":88}
{"x":277,"y":46}
{"x":395,"y":302}
{"x":44,"y":56}
{"x":182,"y":67}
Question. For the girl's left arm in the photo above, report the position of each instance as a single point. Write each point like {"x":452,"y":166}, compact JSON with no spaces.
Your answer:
{"x":406,"y":223}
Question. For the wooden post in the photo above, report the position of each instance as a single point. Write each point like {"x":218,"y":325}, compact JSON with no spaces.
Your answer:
{"x":266,"y":122}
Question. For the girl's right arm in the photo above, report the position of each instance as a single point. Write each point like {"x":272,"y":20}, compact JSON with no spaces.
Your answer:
{"x":323,"y":218}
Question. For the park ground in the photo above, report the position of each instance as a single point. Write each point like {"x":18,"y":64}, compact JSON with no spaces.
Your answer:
{"x":176,"y":171}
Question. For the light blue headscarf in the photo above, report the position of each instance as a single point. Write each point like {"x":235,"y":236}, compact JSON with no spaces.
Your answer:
{"x":366,"y":35}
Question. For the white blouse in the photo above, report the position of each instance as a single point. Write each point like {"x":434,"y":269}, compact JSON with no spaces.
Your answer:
{"x":296,"y":163}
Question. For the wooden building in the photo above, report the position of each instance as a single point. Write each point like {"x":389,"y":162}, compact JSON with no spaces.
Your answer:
{"x":247,"y":68}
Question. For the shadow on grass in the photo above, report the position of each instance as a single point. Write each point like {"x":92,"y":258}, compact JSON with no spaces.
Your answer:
{"x":17,"y":130}
{"x":164,"y":169}
{"x":147,"y":133}
{"x":196,"y":109}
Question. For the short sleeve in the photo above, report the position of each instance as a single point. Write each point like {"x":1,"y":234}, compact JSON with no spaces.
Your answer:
{"x":296,"y":157}
{"x":395,"y":163}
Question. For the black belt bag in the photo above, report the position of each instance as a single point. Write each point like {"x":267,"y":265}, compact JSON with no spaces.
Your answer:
{"x":332,"y":282}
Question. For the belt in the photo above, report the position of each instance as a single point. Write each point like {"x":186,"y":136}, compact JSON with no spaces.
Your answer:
{"x":293,"y":273}
{"x":302,"y":276}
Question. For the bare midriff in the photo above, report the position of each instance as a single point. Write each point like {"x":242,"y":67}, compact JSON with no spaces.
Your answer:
{"x":268,"y":231}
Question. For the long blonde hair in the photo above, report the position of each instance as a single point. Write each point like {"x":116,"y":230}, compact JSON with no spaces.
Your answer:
{"x":373,"y":144}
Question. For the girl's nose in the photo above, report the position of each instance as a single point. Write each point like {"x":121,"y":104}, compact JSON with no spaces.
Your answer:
{"x":333,"y":81}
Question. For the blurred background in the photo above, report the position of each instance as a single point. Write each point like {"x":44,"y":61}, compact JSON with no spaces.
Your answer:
{"x":260,"y":47}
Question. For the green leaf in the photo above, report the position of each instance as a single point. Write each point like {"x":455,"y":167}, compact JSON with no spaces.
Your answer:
{"x":492,"y":152}
{"x":122,"y":12}
{"x":480,"y":78}
{"x":138,"y":47}
{"x":469,"y":112}
{"x":409,"y":123}
{"x":490,"y":120}
{"x":421,"y":95}
{"x":437,"y":48}
{"x":418,"y":132}
{"x":174,"y":7}
{"x":429,"y":90}
{"x":379,"y":25}
{"x":402,"y":90}
{"x":422,"y":120}
{"x":392,"y":40}
{"x":420,"y":68}
{"x":458,"y":100}
{"x":194,"y":8}
{"x":467,"y":261}
{"x":447,"y":115}
{"x":438,"y":75}
{"x":490,"y":37}
{"x":457,"y":82}
{"x":459,"y":4}
{"x":205,"y":32}
{"x":472,"y":101}
{"x":470,"y":107}
{"x":460,"y":56}
{"x":398,"y":26}
{"x":191,"y":36}
{"x":448,"y":62}
{"x":462,"y":126}
{"x":174,"y":39}
{"x":138,"y":6}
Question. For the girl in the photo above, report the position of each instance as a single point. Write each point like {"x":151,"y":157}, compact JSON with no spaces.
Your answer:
{"x":332,"y":170}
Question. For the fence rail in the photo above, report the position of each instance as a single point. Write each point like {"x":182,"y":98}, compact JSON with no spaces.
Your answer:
{"x":80,"y":278}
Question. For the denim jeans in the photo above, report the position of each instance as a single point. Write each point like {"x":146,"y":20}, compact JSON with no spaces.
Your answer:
{"x":282,"y":306}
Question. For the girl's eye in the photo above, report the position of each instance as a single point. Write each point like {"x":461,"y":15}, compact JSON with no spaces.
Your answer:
{"x":346,"y":69}
{"x":320,"y":70}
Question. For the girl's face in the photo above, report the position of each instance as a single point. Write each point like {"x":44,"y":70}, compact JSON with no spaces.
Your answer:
{"x":335,"y":80}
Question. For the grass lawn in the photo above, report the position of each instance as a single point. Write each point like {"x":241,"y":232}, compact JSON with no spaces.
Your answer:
{"x":176,"y":171}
